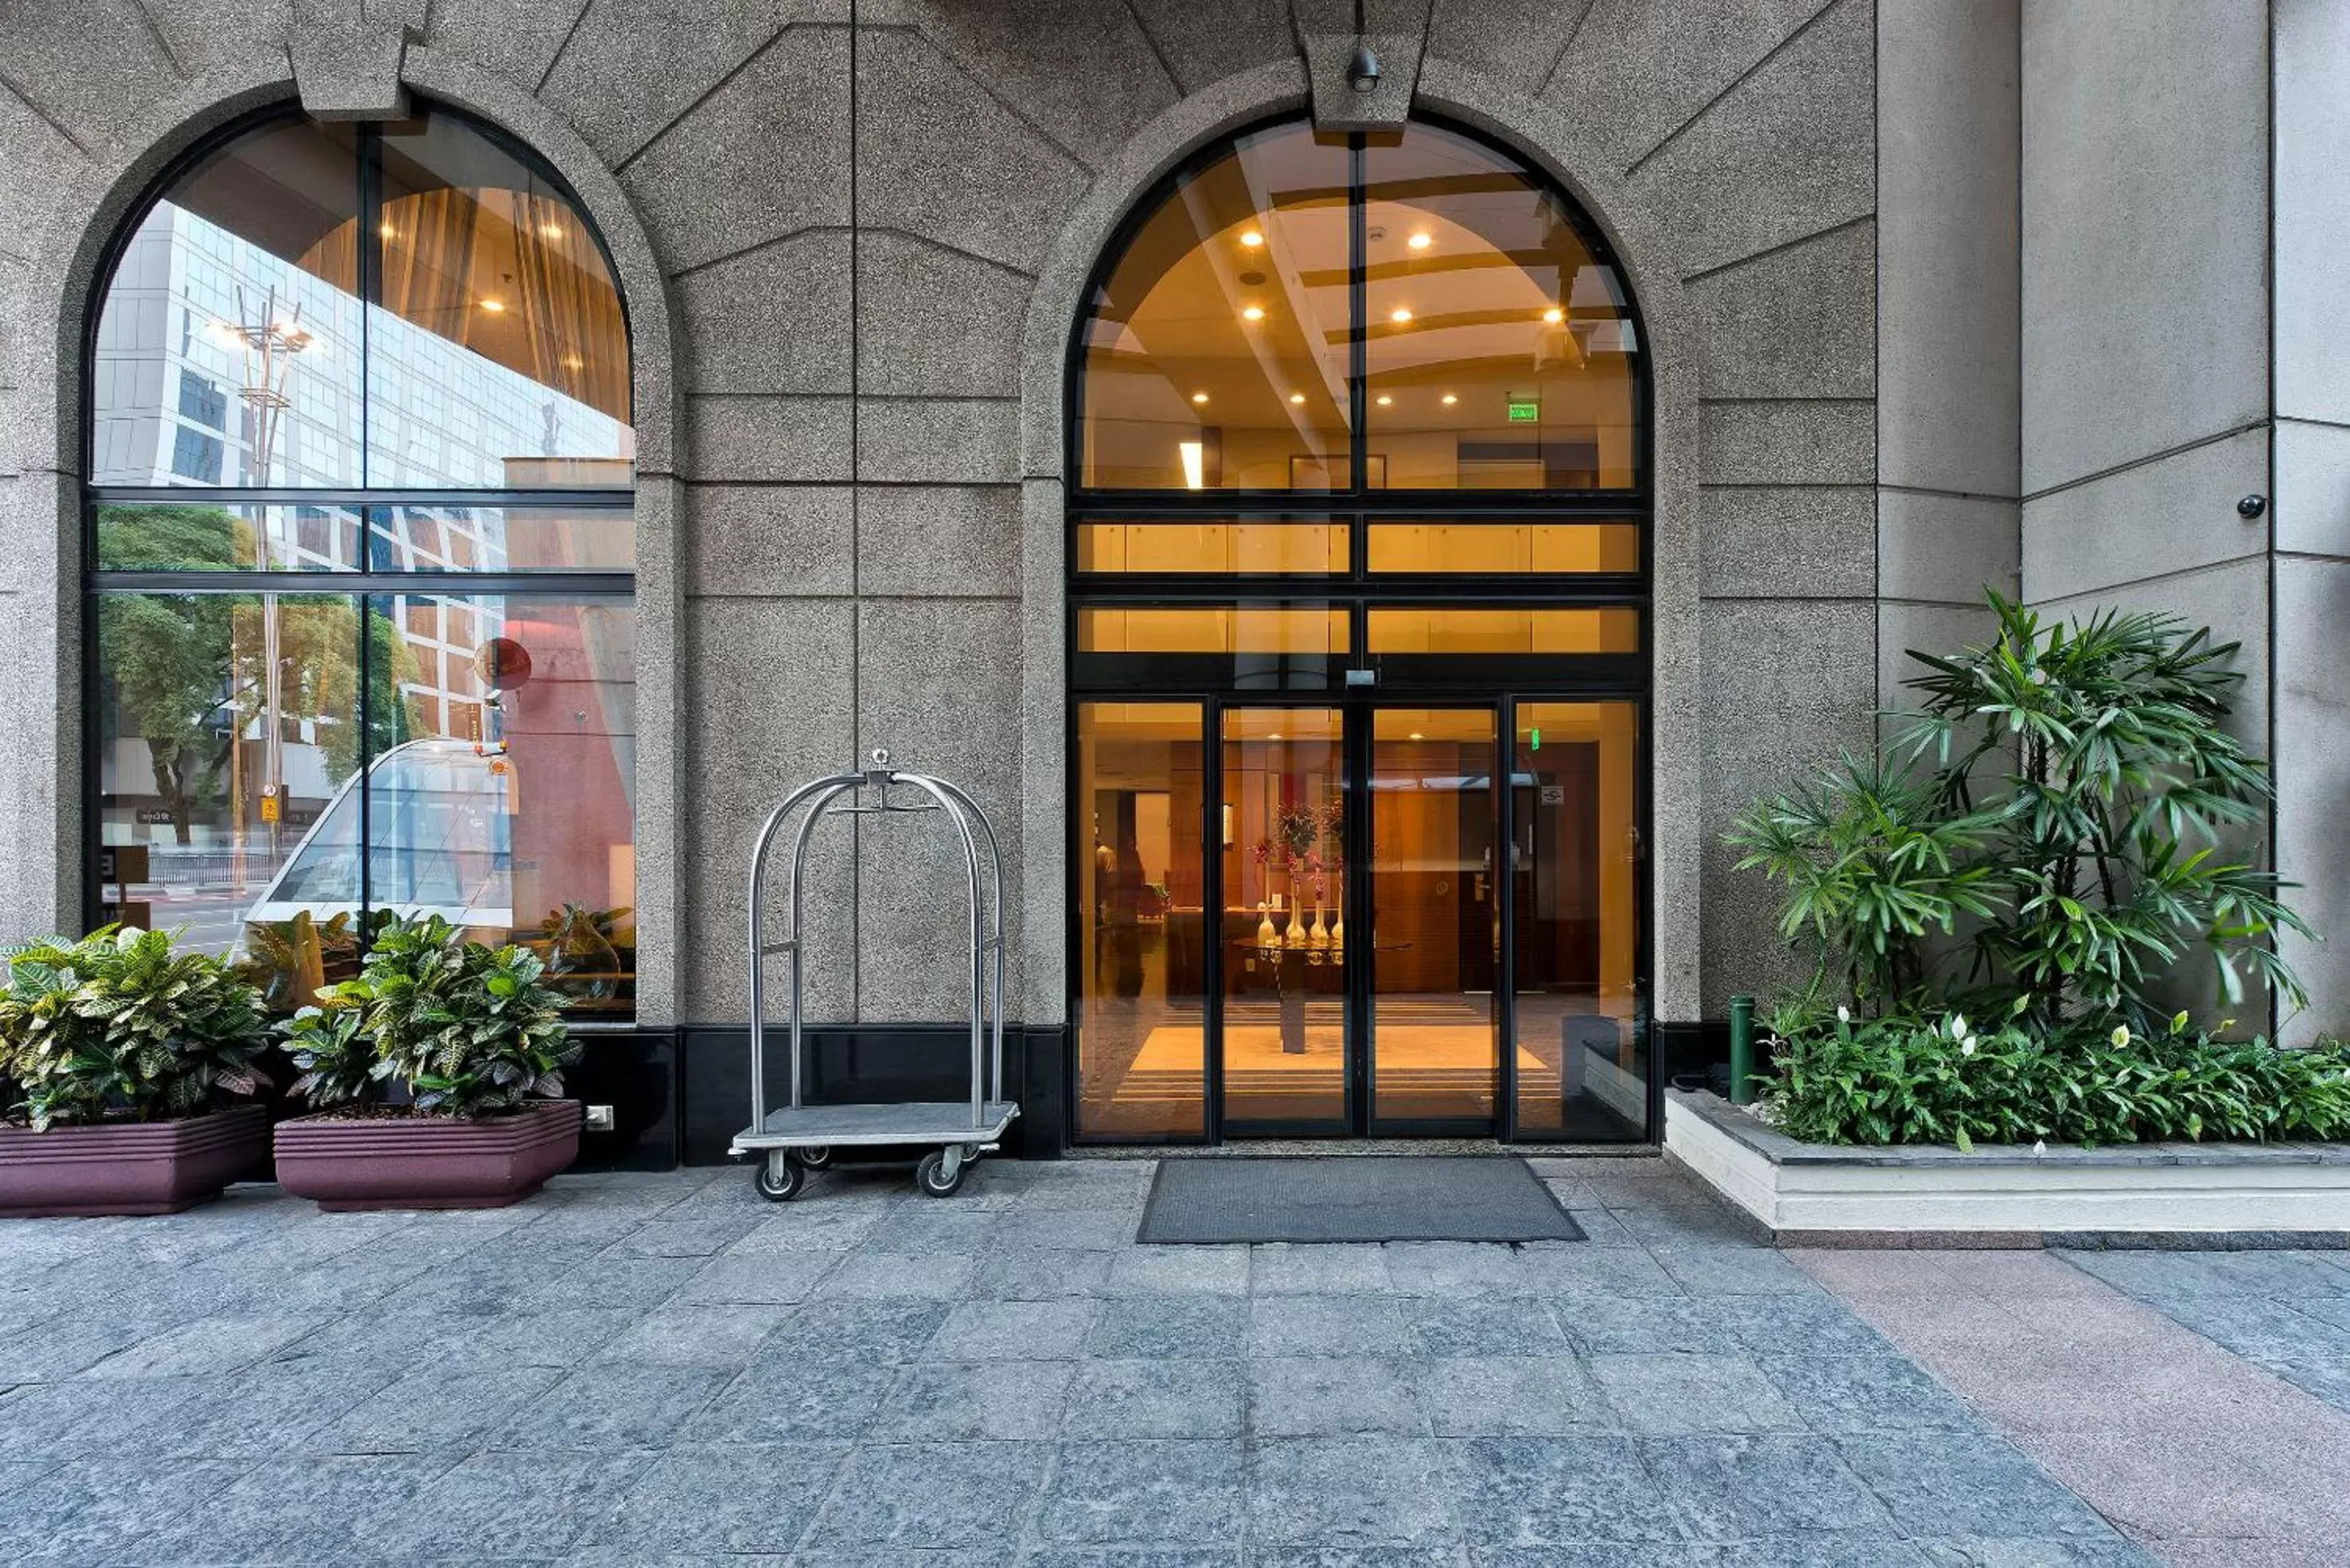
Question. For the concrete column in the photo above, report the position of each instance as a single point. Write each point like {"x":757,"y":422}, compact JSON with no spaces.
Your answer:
{"x":2310,"y":460}
{"x":1947,"y":336}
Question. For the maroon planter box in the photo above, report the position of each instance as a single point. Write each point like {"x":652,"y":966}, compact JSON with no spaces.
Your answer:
{"x":427,"y":1162}
{"x":127,"y":1167}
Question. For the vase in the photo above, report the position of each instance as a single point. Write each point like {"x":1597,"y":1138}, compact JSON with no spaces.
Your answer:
{"x":1295,"y":935}
{"x":1338,"y":930}
{"x":1317,"y":935}
{"x":1265,"y":935}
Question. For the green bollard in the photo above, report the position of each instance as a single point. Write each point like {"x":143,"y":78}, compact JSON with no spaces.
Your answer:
{"x":1742,"y":1050}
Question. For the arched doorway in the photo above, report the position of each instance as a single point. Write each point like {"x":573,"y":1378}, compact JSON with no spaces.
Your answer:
{"x":1359,"y":554}
{"x":360,"y":456}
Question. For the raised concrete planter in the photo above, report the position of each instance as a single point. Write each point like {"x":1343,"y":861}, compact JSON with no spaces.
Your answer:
{"x":127,"y":1167}
{"x":2218,"y":1194}
{"x":427,"y":1162}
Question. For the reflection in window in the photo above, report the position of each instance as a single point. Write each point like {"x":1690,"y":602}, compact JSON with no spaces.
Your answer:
{"x":279,"y":768}
{"x":231,"y":348}
{"x":1142,"y":974}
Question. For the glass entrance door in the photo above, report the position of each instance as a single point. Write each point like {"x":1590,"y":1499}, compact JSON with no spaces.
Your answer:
{"x":1433,"y":897}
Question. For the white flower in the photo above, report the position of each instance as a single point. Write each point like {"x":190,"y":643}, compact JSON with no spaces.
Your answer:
{"x":2121,"y":1035}
{"x":1958,"y":1026}
{"x":1966,"y":1047}
{"x":1844,"y":1014}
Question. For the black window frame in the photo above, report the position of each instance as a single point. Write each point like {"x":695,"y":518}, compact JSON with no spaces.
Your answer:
{"x":1505,"y":681}
{"x":366,"y":584}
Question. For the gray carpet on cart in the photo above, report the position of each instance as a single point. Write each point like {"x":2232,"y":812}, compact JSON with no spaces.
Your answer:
{"x":1358,"y":1198}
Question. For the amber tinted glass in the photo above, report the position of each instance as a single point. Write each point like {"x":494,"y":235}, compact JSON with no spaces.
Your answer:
{"x":1284,"y":1055}
{"x":1157,"y":629}
{"x":1216,"y":354}
{"x":1143,"y":926}
{"x":1499,"y":352}
{"x":1242,"y":547}
{"x":500,"y":358}
{"x":229,"y":342}
{"x":1505,"y":548}
{"x":1580,"y":1059}
{"x":1492,"y":631}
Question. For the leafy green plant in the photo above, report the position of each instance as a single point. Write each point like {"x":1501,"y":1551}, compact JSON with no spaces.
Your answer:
{"x":329,"y":1046}
{"x":1910,"y":1079}
{"x":1872,"y":865}
{"x":118,"y":1026}
{"x":582,"y":951}
{"x":2100,"y":752}
{"x":469,"y":1030}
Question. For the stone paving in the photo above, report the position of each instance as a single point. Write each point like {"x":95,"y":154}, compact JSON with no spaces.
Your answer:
{"x":663,"y":1370}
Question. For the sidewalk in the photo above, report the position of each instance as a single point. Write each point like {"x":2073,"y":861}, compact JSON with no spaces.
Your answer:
{"x":663,"y":1370}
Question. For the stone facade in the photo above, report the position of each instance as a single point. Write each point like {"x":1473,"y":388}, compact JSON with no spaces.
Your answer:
{"x":1941,"y":293}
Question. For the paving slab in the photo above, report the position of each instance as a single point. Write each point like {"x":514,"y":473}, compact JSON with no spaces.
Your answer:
{"x":657,"y":1371}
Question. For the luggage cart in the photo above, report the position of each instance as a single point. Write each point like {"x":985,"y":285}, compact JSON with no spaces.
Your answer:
{"x":793,"y":1139}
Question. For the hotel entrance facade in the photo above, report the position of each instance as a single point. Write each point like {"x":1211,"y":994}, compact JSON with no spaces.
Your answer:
{"x":1357,"y":606}
{"x":1361,"y":537}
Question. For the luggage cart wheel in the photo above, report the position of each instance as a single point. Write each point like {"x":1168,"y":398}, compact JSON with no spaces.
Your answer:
{"x":778,"y":1178}
{"x":937,"y":1178}
{"x":815,"y":1156}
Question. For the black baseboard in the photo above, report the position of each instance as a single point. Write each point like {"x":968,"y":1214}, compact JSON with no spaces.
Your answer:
{"x":865,"y":1065}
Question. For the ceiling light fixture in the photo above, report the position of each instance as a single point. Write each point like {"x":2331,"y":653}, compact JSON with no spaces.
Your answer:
{"x":387,"y":231}
{"x":550,"y":231}
{"x":1199,"y":396}
{"x":1554,"y":316}
{"x":1251,"y":238}
{"x":1296,"y":397}
{"x":1386,"y":401}
{"x":1253,"y":313}
{"x":1450,"y":399}
{"x":1400,"y":315}
{"x":1417,"y":736}
{"x":1420,"y":241}
{"x":493,"y":305}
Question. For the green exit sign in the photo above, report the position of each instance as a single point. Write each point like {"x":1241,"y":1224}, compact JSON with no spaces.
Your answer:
{"x":1525,"y":413}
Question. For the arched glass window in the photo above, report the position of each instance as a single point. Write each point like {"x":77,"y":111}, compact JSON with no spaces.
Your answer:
{"x":360,"y":467}
{"x":1421,"y":288}
{"x":1358,"y":653}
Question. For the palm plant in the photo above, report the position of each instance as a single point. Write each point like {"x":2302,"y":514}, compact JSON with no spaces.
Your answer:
{"x":1873,"y":867}
{"x":2099,"y":752}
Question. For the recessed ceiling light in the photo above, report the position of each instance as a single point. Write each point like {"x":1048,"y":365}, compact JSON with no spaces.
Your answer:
{"x":1420,"y":241}
{"x":1385,"y":401}
{"x":493,"y":305}
{"x":1253,"y":313}
{"x":1251,"y":238}
{"x":550,"y":231}
{"x":1400,"y":315}
{"x":1199,"y":396}
{"x":1450,"y":399}
{"x":573,"y":362}
{"x":1296,"y":397}
{"x":1417,"y":736}
{"x":1274,"y":736}
{"x":1554,"y":316}
{"x":387,"y":231}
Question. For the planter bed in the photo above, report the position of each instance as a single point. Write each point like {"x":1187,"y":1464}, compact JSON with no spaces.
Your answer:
{"x":2168,"y":1194}
{"x":426,"y":1162}
{"x":127,"y":1167}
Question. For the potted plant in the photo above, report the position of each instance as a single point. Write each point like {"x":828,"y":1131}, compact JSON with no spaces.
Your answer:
{"x":434,"y":1078}
{"x":121,"y":1063}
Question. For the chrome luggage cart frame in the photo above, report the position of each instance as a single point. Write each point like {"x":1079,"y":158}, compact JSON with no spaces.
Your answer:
{"x":793,"y":1139}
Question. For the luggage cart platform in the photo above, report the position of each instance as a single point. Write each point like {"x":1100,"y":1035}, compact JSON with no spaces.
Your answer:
{"x":826,"y":1127}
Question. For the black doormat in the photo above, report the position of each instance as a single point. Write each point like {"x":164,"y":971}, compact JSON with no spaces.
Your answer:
{"x":1414,"y":1198}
